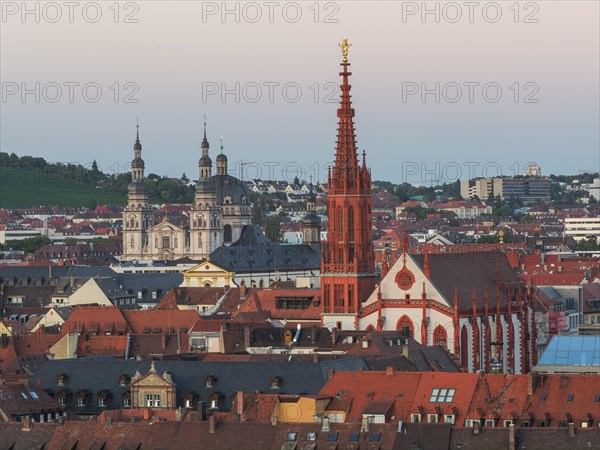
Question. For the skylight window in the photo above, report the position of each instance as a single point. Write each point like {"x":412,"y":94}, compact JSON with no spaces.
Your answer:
{"x":33,"y":395}
{"x":543,"y":397}
{"x":443,"y":395}
{"x":292,"y":436}
{"x":570,"y":397}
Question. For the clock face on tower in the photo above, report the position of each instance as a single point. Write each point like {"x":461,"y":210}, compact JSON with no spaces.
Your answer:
{"x":405,"y":279}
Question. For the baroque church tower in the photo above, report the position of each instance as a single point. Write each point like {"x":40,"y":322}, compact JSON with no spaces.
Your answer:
{"x":206,"y":215}
{"x":138,"y":215}
{"x":348,"y":270}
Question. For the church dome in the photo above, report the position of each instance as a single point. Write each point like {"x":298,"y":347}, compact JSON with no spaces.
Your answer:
{"x":232,"y":189}
{"x":311,"y":219}
{"x":221,"y":157}
{"x":205,"y":161}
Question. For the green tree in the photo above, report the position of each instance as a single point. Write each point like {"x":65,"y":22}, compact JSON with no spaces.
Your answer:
{"x":273,"y":229}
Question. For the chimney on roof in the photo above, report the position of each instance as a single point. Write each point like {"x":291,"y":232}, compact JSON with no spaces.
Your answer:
{"x":179,"y":413}
{"x":571,"y":429}
{"x":334,"y":335}
{"x":240,"y":405}
{"x":330,"y":373}
{"x":26,"y":424}
{"x":530,"y":383}
{"x":511,"y":436}
{"x":325,"y":426}
{"x":274,"y":420}
{"x":364,"y":425}
{"x":108,"y":421}
{"x":405,"y":349}
{"x":476,"y":428}
{"x":316,"y":358}
{"x":389,"y":371}
{"x":247,"y":336}
{"x":243,"y":291}
{"x":212,"y":424}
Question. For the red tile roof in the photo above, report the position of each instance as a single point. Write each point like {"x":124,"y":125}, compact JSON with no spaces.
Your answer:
{"x":265,"y":301}
{"x":95,"y":319}
{"x":463,"y":383}
{"x":101,"y":345}
{"x":552,"y":394}
{"x":355,"y":390}
{"x":160,"y":321}
{"x":499,"y":396}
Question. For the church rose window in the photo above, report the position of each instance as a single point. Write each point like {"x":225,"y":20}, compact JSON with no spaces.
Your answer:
{"x":405,"y":279}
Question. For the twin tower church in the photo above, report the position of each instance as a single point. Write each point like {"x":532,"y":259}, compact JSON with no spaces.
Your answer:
{"x":473,"y":304}
{"x":221,"y":208}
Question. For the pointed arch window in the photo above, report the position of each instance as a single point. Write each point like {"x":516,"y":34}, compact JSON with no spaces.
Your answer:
{"x":351,"y":222}
{"x":405,"y":325}
{"x":340,"y":223}
{"x":440,"y":336}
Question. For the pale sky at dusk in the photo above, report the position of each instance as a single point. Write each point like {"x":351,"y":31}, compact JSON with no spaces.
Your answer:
{"x":178,"y":53}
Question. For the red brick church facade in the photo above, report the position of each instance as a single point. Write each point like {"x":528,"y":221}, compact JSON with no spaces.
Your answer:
{"x":474,"y":304}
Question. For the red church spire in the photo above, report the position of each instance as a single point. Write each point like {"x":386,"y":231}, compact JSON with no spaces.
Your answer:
{"x":346,"y":170}
{"x":348,"y":261}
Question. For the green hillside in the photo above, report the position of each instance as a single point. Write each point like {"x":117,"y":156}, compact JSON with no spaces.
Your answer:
{"x":23,"y":188}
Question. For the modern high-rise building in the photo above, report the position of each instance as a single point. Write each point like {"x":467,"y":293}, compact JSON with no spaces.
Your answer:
{"x":529,"y":189}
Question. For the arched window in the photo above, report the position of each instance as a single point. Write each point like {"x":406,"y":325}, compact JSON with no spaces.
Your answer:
{"x":340,"y":223}
{"x":227,"y":234}
{"x":156,"y":242}
{"x":243,"y":283}
{"x":175,"y":242}
{"x":405,"y":325}
{"x":132,"y":243}
{"x":440,"y":337}
{"x":199,"y":240}
{"x":261,"y":283}
{"x":351,"y":222}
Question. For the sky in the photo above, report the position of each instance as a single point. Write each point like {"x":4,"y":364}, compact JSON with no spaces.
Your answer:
{"x":442,"y":90}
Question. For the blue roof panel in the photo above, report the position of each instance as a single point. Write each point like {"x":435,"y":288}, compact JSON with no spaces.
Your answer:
{"x":572,"y":351}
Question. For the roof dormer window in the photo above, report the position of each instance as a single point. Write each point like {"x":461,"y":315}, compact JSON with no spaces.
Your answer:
{"x":275,"y":383}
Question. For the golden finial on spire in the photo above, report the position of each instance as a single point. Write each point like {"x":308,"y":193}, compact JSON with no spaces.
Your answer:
{"x":345,"y":45}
